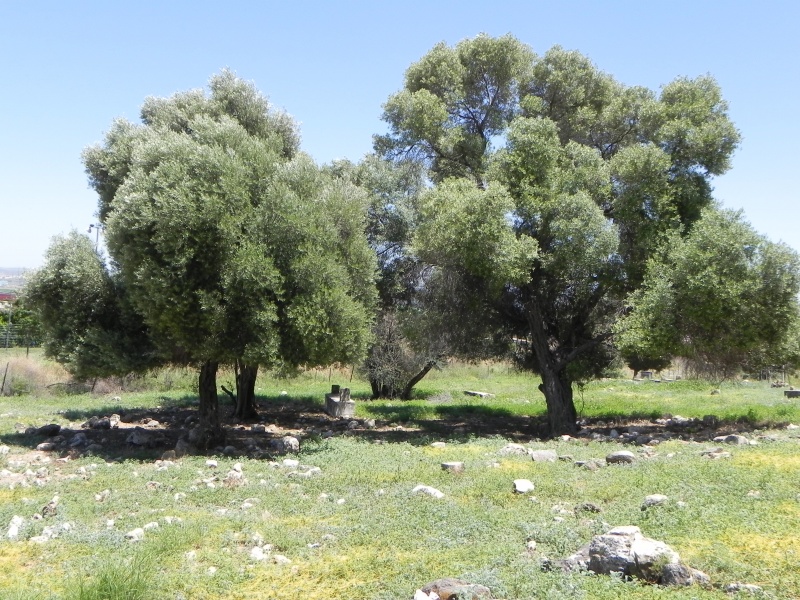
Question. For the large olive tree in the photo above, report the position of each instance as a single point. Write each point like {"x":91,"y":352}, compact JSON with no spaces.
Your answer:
{"x":233,"y":245}
{"x":590,"y":180}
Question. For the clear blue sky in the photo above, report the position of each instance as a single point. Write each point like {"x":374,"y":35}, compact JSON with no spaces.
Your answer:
{"x":70,"y":68}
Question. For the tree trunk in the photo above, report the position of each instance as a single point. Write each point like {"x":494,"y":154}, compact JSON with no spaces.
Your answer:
{"x":409,"y":388}
{"x":561,"y":413}
{"x":245,"y":392}
{"x":556,"y":385}
{"x":208,"y":433}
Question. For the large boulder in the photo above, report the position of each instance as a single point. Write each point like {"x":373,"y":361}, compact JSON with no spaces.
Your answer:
{"x":626,"y":551}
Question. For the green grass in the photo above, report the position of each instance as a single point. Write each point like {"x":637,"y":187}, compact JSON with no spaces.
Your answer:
{"x":356,"y":531}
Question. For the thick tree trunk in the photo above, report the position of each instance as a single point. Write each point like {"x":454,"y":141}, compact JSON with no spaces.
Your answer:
{"x":556,"y":385}
{"x":208,"y":433}
{"x":561,"y":413}
{"x":245,"y":392}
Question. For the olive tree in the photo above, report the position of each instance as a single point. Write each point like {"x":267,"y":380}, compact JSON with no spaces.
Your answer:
{"x":592,"y":179}
{"x":233,"y":245}
{"x":85,"y":315}
{"x":722,"y":297}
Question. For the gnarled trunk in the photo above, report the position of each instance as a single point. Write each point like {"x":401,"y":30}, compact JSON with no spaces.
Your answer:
{"x":556,"y":385}
{"x":208,"y":433}
{"x":245,"y":392}
{"x":561,"y":413}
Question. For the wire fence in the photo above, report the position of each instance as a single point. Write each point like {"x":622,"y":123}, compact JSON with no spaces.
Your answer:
{"x":15,"y":336}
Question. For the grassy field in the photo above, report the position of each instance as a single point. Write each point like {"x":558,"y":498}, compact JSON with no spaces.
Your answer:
{"x":355,"y":530}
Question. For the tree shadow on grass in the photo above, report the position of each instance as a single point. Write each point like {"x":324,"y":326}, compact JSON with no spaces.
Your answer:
{"x":304,"y":417}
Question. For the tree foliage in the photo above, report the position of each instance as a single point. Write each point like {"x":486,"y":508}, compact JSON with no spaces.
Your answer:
{"x":87,"y":321}
{"x":233,"y":245}
{"x":721,"y":297}
{"x":596,"y":178}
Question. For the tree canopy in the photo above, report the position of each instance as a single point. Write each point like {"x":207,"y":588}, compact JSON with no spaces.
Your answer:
{"x":719,"y":297}
{"x":233,"y":246}
{"x":592,"y":179}
{"x":86,"y":318}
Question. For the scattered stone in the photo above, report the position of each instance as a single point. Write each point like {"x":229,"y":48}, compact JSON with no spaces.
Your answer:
{"x":732,"y":588}
{"x":97,"y":423}
{"x":478,"y":394}
{"x":512,"y":449}
{"x":51,"y":532}
{"x":738,"y":440}
{"x":715,"y":453}
{"x":286,"y":445}
{"x":369,"y":423}
{"x":212,"y":463}
{"x":620,"y":457}
{"x":426,"y":489}
{"x":183,"y":447}
{"x":306,"y":472}
{"x":50,"y":430}
{"x":715,"y":392}
{"x":523,"y":486}
{"x":102,"y":496}
{"x":654,"y":500}
{"x":171,"y":520}
{"x":438,"y":445}
{"x":235,"y":477}
{"x":51,"y":508}
{"x":257,"y":553}
{"x":680,"y":574}
{"x":453,"y":467}
{"x":280,"y":559}
{"x":544,"y":455}
{"x":593,"y":464}
{"x":290,"y":463}
{"x":140,"y":437}
{"x":588,"y":507}
{"x":420,"y":595}
{"x":135,"y":535}
{"x":150,"y":526}
{"x":13,"y":527}
{"x":79,"y":439}
{"x":456,"y":589}
{"x":46,"y":446}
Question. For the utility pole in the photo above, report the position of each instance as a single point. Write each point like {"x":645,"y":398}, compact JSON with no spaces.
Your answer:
{"x":97,"y":227}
